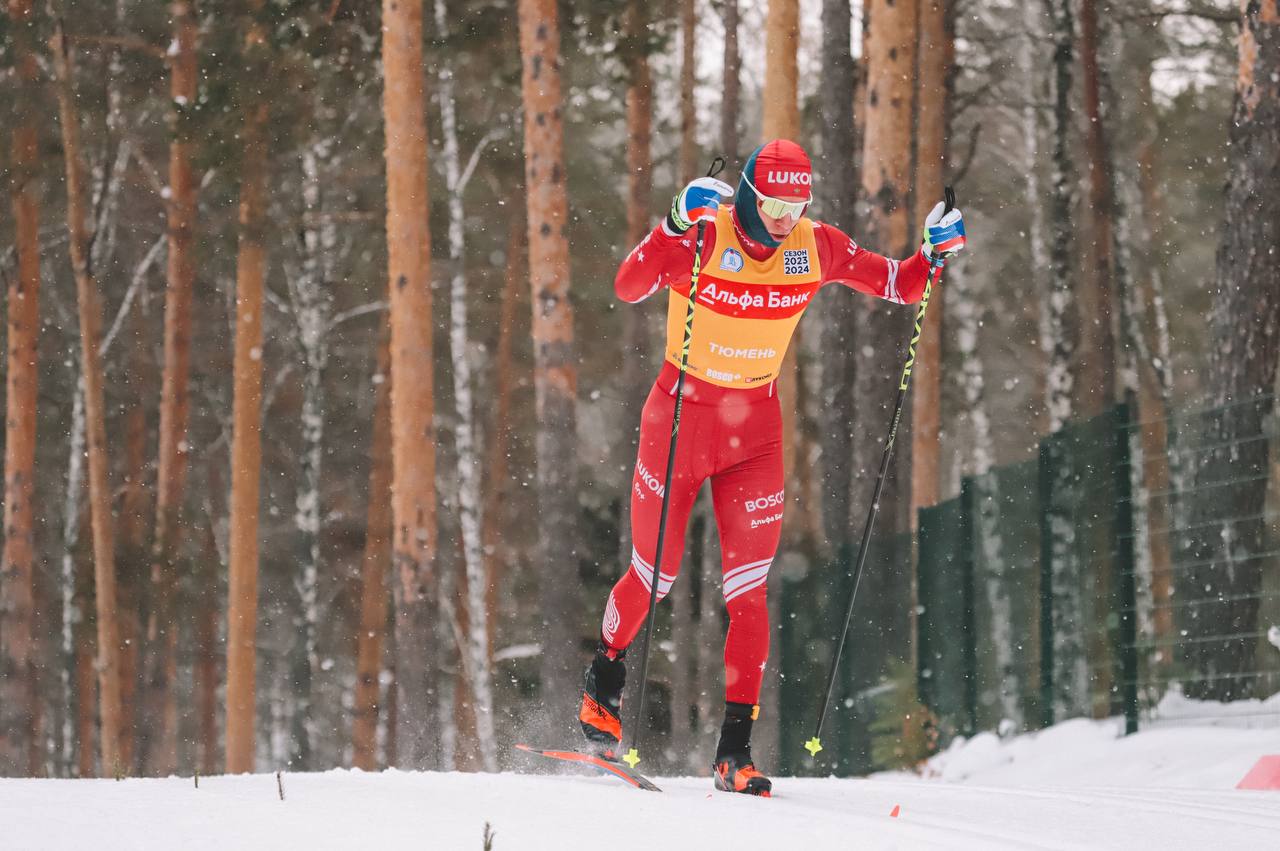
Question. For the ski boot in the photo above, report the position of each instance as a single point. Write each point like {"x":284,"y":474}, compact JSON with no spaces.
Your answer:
{"x":601,"y":710}
{"x":736,"y":773}
{"x":733,"y":770}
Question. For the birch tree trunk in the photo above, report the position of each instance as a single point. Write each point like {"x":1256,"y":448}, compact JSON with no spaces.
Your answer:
{"x":159,"y":699}
{"x":475,"y":653}
{"x":1245,"y":325}
{"x":246,"y":446}
{"x":555,"y":367}
{"x":413,"y":460}
{"x":967,"y":313}
{"x":71,"y":611}
{"x":1032,"y":87}
{"x":95,"y":416}
{"x":18,"y":694}
{"x":373,"y":585}
{"x":1070,"y":676}
{"x":311,"y":300}
{"x":1062,"y":331}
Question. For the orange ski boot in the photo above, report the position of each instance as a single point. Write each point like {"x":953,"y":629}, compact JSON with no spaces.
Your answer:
{"x":738,"y":774}
{"x":601,"y":711}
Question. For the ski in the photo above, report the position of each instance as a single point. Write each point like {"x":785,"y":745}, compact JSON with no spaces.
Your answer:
{"x":617,"y":769}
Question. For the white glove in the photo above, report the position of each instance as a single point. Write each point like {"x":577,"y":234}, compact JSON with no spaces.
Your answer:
{"x":943,"y":233}
{"x":698,"y":202}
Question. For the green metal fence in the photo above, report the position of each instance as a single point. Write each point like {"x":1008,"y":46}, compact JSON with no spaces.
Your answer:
{"x":1128,"y":557}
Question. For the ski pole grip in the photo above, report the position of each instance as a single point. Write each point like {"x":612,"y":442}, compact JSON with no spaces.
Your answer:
{"x":948,"y":199}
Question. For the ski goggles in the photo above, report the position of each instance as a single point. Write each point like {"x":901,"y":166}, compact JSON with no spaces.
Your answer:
{"x":776,"y":208}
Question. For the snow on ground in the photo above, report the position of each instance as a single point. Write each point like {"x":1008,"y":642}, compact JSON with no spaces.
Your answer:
{"x":1078,"y":785}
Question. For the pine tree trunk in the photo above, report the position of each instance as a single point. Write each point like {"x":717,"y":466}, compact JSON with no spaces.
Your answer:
{"x":412,"y":391}
{"x":373,"y":584}
{"x":160,"y":699}
{"x":1232,"y":532}
{"x":95,"y":415}
{"x":18,"y":658}
{"x":933,"y":93}
{"x":710,"y":639}
{"x":732,"y":86}
{"x":1098,"y":370}
{"x":781,"y":120}
{"x":638,"y":367}
{"x":1163,"y":465}
{"x":205,"y":667}
{"x":132,"y":553}
{"x":246,"y":446}
{"x":881,"y":330}
{"x":86,"y":687}
{"x":782,"y":35}
{"x":837,"y":170}
{"x":688,"y":79}
{"x":496,"y":552}
{"x":890,"y":48}
{"x":933,"y":130}
{"x":555,"y":368}
{"x":475,"y":652}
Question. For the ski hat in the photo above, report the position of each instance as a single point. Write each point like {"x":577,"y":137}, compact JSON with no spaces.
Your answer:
{"x":779,"y":168}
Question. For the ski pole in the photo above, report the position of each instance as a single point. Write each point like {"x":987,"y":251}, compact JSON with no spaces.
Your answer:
{"x":633,"y":756}
{"x":815,"y":744}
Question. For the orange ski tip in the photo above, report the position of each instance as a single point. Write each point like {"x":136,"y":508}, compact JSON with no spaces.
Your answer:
{"x":895,"y":811}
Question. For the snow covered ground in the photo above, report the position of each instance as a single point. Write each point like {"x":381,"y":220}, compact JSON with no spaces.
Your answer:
{"x":1076,"y":785}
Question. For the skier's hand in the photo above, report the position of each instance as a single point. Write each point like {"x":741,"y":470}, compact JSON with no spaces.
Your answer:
{"x":697,"y":202}
{"x":943,"y":234}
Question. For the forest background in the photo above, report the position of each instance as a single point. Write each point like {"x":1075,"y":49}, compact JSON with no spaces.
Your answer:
{"x":204,"y":566}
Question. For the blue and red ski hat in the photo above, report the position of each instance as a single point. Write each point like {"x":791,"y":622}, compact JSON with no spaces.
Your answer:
{"x":780,"y":169}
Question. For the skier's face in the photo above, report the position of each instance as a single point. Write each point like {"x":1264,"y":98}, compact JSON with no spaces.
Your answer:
{"x":780,"y":228}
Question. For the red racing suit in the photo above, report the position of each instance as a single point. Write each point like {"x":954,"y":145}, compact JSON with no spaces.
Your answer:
{"x":750,"y":298}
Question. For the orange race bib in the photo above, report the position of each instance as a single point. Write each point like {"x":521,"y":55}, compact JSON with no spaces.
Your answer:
{"x":746,"y":310}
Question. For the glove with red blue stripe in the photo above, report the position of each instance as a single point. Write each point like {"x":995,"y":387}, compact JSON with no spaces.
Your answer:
{"x":943,"y":232}
{"x":697,"y":202}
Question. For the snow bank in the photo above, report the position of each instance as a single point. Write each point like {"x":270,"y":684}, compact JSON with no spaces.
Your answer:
{"x":1185,"y":744}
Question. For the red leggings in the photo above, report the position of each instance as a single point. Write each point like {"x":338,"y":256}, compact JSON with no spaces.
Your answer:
{"x":734,"y":438}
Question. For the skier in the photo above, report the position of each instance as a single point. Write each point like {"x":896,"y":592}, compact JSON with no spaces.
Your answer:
{"x":762,"y":262}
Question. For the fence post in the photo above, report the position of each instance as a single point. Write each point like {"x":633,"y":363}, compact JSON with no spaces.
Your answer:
{"x":924,"y":603}
{"x":1126,"y":562}
{"x":970,"y":637}
{"x":1046,"y":582}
